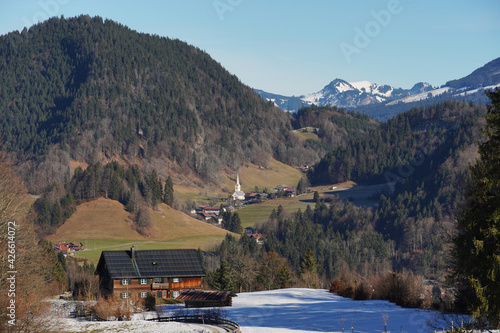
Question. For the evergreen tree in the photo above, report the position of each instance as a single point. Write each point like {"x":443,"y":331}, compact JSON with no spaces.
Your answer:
{"x":477,"y":246}
{"x":53,"y":270}
{"x":232,"y":222}
{"x":154,"y":190}
{"x":308,"y":263}
{"x":226,"y":219}
{"x":62,"y":260}
{"x":224,"y":278}
{"x":236,"y":224}
{"x":56,"y":214}
{"x":45,"y":212}
{"x":303,"y":185}
{"x":115,"y":187}
{"x":284,"y":277}
{"x":168,"y":192}
{"x":316,"y":198}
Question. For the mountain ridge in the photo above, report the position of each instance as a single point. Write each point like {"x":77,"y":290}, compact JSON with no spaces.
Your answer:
{"x":341,"y":93}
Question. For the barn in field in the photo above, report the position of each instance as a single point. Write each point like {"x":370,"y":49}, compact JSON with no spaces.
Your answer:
{"x":204,"y":299}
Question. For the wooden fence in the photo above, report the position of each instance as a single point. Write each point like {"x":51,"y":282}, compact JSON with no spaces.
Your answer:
{"x":228,"y":325}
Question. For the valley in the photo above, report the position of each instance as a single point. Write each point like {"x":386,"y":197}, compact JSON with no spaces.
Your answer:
{"x":127,"y":141}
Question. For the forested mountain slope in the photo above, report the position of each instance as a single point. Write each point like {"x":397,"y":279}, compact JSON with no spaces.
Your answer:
{"x":423,"y":156}
{"x":419,"y":135}
{"x":92,"y":90}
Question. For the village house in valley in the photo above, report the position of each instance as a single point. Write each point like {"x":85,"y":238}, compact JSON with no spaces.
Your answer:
{"x":209,"y":213}
{"x":160,"y":273}
{"x":67,"y":248}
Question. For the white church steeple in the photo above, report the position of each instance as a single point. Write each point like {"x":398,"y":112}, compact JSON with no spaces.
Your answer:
{"x":237,"y":187}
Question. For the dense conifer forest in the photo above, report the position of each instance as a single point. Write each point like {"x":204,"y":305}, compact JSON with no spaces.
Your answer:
{"x":91,"y":90}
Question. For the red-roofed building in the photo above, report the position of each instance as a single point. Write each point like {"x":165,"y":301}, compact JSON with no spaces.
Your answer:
{"x":251,"y":196}
{"x":67,"y":248}
{"x":257,"y":238}
{"x":208,"y":216}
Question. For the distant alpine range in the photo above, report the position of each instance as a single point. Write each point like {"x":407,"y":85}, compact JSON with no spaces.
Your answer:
{"x":352,"y":95}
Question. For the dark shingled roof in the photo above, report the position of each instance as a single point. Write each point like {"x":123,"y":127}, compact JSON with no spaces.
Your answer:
{"x":204,"y":295}
{"x":152,"y":263}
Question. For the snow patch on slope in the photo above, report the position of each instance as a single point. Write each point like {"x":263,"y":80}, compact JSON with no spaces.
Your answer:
{"x":473,"y":91}
{"x":366,"y":85}
{"x":341,"y":87}
{"x":313,"y":98}
{"x":421,"y":96}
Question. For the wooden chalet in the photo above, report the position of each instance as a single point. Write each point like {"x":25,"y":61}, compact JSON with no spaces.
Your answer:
{"x":160,"y":273}
{"x":203,"y":299}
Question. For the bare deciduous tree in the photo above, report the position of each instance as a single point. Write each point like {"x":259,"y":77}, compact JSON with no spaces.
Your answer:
{"x":29,"y":264}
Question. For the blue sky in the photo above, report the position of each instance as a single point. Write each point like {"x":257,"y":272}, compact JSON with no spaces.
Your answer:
{"x":296,"y":47}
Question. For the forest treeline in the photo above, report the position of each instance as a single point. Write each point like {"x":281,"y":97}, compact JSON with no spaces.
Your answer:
{"x":334,"y":126}
{"x":134,"y":189}
{"x":423,"y":157}
{"x":419,"y":135}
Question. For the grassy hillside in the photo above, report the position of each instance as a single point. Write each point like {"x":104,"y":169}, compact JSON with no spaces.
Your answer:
{"x":306,"y":133}
{"x":251,"y":175}
{"x":252,"y":214}
{"x":101,"y":218}
{"x":104,"y":224}
{"x":274,"y":174}
{"x":257,"y":213}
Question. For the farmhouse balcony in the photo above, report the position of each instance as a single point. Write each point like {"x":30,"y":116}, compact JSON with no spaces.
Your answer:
{"x":159,"y":286}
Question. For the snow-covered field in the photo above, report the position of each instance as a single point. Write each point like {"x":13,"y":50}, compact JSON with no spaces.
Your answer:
{"x":133,"y":326}
{"x":313,"y":310}
{"x":286,"y":310}
{"x":138,"y":324}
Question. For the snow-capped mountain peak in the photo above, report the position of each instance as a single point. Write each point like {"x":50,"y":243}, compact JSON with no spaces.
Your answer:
{"x":338,"y":86}
{"x":341,"y":93}
{"x":366,"y":86}
{"x":421,"y":87}
{"x":351,"y":94}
